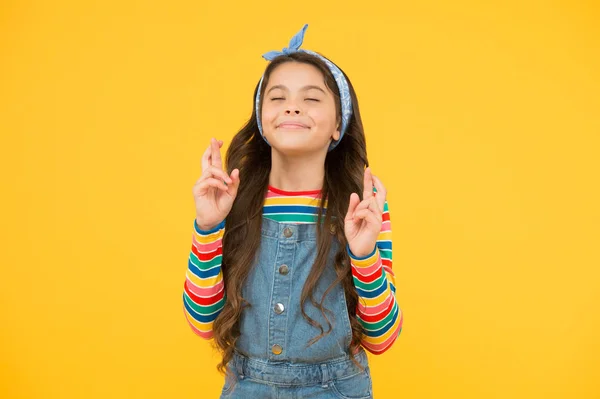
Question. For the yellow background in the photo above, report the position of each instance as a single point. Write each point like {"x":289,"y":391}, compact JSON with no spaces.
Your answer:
{"x":482,"y":120}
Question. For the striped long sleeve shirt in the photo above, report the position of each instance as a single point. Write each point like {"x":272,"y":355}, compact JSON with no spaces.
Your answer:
{"x":374,"y":280}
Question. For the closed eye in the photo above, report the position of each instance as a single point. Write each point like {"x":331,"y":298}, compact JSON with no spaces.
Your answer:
{"x":313,"y":99}
{"x":277,"y":98}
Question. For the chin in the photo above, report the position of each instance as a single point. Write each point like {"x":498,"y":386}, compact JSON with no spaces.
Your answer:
{"x":291,"y":145}
{"x":294,"y":141}
{"x":296,"y":148}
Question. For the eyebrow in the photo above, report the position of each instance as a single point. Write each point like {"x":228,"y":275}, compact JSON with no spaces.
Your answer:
{"x":305,"y":88}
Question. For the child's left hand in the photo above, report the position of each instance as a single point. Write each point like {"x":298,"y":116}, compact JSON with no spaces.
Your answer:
{"x":362,"y":224}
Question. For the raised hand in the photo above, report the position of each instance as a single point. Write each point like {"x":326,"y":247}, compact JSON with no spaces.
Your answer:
{"x":362,"y":224}
{"x":215,"y":191}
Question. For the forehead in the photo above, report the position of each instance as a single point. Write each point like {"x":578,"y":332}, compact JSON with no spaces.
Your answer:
{"x":295,"y":75}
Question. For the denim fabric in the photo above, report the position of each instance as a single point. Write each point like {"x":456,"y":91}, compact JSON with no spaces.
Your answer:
{"x":322,"y":370}
{"x":334,"y":379}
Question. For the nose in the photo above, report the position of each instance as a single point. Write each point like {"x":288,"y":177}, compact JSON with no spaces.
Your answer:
{"x":292,"y":108}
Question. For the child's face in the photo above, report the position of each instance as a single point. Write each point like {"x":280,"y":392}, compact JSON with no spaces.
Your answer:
{"x":298,"y":110}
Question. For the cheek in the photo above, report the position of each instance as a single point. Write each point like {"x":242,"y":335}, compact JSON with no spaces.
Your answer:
{"x":268,"y":114}
{"x":323,"y":117}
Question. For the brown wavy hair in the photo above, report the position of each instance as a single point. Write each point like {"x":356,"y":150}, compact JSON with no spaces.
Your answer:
{"x":344,"y":170}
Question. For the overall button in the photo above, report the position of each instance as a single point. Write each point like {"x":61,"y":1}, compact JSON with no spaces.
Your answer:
{"x":277,"y":349}
{"x":279,"y":308}
{"x":287,"y":232}
{"x":283,"y":269}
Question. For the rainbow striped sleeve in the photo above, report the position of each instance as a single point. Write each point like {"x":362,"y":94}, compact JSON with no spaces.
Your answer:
{"x":375,"y":283}
{"x":203,"y":291}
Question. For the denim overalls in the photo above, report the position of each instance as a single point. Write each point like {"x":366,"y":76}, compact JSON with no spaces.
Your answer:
{"x":271,"y":359}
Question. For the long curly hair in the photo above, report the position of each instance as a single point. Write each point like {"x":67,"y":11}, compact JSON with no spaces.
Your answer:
{"x":344,"y":169}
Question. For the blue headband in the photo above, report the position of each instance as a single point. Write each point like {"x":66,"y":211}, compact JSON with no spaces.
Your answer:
{"x":340,"y":80}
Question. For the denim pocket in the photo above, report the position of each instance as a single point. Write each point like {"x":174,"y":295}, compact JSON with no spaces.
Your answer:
{"x":358,"y":386}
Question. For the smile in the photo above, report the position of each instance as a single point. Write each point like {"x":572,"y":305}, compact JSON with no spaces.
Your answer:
{"x":289,"y":125}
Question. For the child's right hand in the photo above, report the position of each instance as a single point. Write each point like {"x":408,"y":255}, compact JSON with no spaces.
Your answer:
{"x":212,"y":196}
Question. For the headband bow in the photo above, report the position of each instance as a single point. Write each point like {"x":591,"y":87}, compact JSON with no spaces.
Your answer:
{"x":340,"y":80}
{"x":295,"y":44}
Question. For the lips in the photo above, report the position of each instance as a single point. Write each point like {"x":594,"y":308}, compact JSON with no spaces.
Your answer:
{"x":292,"y":125}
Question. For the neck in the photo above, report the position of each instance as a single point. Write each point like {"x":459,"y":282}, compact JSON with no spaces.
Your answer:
{"x":303,"y":172}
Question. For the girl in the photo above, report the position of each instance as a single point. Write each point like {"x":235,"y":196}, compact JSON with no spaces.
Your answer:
{"x":290,"y":271}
